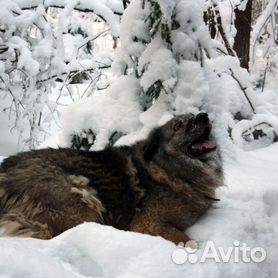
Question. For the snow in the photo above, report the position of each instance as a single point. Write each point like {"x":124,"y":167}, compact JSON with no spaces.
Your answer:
{"x":259,"y":27}
{"x":190,"y":74}
{"x":43,"y":46}
{"x":247,"y":213}
{"x":103,"y":8}
{"x":194,"y":78}
{"x":187,"y":69}
{"x":216,"y":84}
{"x":161,"y":66}
{"x":8,"y":139}
{"x":190,"y":16}
{"x":116,"y":110}
{"x":269,"y":125}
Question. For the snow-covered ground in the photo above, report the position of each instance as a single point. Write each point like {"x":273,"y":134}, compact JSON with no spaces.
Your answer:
{"x":246,"y":214}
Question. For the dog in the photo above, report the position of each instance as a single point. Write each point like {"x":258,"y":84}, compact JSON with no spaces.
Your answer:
{"x":158,"y":186}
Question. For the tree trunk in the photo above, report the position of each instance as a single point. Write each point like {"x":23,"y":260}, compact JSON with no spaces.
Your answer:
{"x":242,"y":38}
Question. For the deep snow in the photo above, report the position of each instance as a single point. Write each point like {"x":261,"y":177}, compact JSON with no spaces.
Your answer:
{"x":247,"y":213}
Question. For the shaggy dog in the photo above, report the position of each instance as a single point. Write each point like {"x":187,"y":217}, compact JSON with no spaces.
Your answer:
{"x":159,"y":186}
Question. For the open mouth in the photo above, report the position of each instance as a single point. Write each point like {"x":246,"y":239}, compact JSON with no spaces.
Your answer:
{"x":202,"y":145}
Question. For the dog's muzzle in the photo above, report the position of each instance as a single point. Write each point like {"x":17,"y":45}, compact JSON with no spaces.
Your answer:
{"x":203,"y":144}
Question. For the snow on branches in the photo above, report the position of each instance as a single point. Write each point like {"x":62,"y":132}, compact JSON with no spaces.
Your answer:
{"x":167,"y":51}
{"x":264,"y":40}
{"x":107,"y":10}
{"x":167,"y":47}
{"x":266,"y":29}
{"x":167,"y":64}
{"x":39,"y":47}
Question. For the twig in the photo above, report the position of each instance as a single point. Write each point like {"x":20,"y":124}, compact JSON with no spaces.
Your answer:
{"x":221,"y":51}
{"x":263,"y":25}
{"x":221,"y":30}
{"x":11,"y":93}
{"x":71,"y":72}
{"x":125,"y":3}
{"x":91,"y":39}
{"x":93,"y":82}
{"x":265,"y":71}
{"x":243,"y":89}
{"x":232,"y":9}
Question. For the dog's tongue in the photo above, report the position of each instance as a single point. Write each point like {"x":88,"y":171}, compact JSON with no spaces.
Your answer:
{"x":204,"y":146}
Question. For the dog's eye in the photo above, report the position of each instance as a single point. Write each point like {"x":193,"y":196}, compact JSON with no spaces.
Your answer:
{"x":178,"y":125}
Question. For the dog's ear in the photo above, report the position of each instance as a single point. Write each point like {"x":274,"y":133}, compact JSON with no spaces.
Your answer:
{"x":152,"y":144}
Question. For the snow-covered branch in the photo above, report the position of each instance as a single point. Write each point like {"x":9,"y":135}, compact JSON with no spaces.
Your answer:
{"x":220,"y":28}
{"x":108,"y":11}
{"x":35,"y":54}
{"x":266,"y":23}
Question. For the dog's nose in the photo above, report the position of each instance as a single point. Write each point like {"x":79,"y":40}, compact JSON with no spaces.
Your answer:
{"x":202,"y":118}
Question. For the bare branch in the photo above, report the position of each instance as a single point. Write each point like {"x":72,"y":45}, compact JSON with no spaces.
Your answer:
{"x":221,"y":30}
{"x":243,"y":89}
{"x":264,"y":78}
{"x":54,"y":76}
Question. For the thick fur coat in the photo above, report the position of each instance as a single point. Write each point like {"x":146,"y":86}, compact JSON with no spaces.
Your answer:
{"x":159,"y":186}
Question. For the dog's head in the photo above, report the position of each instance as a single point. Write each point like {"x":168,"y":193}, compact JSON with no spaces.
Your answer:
{"x":187,"y":139}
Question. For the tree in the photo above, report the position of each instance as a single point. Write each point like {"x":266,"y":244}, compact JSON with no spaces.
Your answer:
{"x":167,"y":64}
{"x":231,"y":22}
{"x":232,"y":27}
{"x":40,"y":51}
{"x":243,"y":19}
{"x":264,"y":37}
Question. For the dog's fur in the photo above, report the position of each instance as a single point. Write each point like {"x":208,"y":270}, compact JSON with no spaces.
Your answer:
{"x":154,"y":187}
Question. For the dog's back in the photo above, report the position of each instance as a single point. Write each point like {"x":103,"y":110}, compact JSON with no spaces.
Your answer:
{"x":45,"y":192}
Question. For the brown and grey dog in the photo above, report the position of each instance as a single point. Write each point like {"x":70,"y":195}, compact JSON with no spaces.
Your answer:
{"x":159,"y":186}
